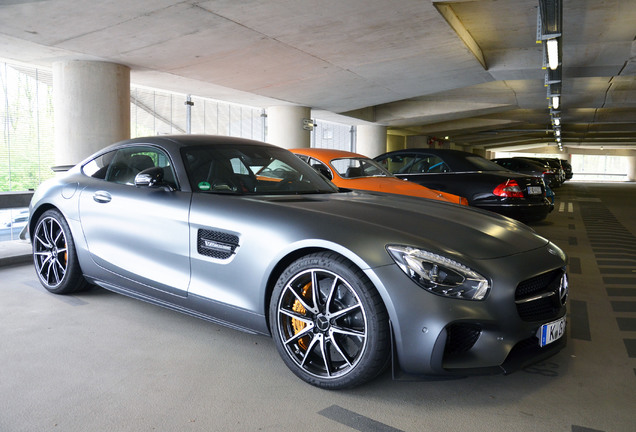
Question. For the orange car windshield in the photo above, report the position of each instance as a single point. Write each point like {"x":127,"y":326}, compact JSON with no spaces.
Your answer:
{"x":358,"y":167}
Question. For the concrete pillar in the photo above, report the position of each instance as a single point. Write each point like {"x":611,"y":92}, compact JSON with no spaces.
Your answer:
{"x":395,"y":142}
{"x":417,"y":141}
{"x":91,"y":101}
{"x":285,"y":126}
{"x":631,"y":168}
{"x":371,"y":140}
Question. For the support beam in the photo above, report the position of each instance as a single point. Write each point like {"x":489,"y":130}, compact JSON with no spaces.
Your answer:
{"x":453,"y":20}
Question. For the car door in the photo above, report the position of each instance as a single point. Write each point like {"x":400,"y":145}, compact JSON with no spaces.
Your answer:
{"x":139,"y":233}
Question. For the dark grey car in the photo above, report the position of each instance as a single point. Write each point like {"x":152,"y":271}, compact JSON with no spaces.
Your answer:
{"x":247,"y":235}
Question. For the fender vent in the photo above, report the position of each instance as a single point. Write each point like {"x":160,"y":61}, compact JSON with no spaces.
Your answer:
{"x":216,"y":244}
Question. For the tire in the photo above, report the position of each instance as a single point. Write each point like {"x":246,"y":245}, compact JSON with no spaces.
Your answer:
{"x":54,"y":255}
{"x":334,"y":337}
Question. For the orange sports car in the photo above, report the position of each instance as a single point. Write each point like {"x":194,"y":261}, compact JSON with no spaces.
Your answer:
{"x":355,"y":171}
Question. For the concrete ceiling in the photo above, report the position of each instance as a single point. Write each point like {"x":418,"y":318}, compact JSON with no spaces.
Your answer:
{"x":397,"y":63}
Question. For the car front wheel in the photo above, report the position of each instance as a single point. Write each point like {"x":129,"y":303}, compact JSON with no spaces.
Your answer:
{"x":329,"y":323}
{"x":54,"y":255}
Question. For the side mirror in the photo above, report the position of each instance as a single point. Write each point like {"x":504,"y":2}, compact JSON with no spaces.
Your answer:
{"x":150,"y":177}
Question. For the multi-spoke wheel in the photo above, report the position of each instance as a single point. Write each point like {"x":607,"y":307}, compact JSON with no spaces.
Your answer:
{"x":329,"y":322}
{"x":54,"y":255}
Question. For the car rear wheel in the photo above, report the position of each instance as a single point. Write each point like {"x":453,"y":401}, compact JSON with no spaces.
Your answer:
{"x":329,"y":323}
{"x":54,"y":255}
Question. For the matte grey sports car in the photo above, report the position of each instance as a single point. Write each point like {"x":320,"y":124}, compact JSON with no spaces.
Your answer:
{"x":247,"y":235}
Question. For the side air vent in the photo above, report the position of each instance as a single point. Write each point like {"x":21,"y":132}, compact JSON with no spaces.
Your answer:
{"x":216,"y":244}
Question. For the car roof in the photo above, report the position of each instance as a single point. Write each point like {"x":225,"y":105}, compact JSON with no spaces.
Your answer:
{"x":327,"y":154}
{"x":174,"y":142}
{"x":435,"y":151}
{"x":523,"y":160}
{"x":457,"y":160}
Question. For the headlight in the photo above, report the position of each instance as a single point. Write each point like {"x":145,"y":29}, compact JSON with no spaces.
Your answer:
{"x":440,"y":275}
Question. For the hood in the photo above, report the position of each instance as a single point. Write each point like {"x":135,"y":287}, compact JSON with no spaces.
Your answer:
{"x":430,"y":224}
{"x":397,"y":186}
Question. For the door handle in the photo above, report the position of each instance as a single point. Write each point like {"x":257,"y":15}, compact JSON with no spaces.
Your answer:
{"x":102,"y":197}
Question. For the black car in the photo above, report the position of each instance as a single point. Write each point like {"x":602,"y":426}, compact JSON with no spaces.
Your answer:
{"x":485,"y":184}
{"x":567,"y":167}
{"x":531,"y":167}
{"x":554,"y":164}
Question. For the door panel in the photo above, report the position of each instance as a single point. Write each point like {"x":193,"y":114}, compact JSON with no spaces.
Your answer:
{"x":139,"y":233}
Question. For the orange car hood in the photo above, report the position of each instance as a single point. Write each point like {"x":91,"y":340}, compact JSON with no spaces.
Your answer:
{"x":397,"y":186}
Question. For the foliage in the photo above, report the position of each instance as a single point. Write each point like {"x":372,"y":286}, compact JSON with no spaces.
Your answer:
{"x":26,"y":145}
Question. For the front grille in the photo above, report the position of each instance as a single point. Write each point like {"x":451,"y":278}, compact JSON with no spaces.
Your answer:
{"x":543,"y":308}
{"x":461,"y":338}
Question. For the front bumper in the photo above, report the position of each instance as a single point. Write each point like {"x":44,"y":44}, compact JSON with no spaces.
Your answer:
{"x":434,"y":335}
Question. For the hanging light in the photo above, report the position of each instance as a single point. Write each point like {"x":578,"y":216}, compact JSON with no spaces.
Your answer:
{"x":553,"y":54}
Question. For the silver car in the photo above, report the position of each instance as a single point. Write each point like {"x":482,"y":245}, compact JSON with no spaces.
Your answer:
{"x":246,"y":235}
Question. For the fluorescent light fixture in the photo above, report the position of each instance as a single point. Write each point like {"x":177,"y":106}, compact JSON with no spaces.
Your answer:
{"x":557,"y":121}
{"x":557,"y":132}
{"x":553,"y":53}
{"x":555,"y":102}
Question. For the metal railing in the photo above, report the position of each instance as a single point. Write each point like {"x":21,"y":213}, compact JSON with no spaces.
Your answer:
{"x":9,"y":200}
{"x":14,"y":200}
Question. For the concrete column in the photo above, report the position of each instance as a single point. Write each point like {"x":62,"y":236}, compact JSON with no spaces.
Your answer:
{"x":396,"y":142}
{"x":631,"y":168}
{"x":285,"y":126}
{"x":478,"y":151}
{"x":91,"y":101}
{"x":371,"y":140}
{"x":417,"y":141}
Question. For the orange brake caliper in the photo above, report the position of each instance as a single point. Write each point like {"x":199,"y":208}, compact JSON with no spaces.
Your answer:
{"x":298,"y":325}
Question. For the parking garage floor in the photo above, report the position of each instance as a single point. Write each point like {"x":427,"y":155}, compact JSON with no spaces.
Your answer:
{"x":100,"y":361}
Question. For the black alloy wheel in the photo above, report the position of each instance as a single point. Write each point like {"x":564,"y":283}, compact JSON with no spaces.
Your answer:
{"x":329,"y":323}
{"x":54,"y":255}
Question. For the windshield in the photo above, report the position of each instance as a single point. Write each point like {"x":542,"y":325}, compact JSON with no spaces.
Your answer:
{"x":250,"y":169}
{"x":358,"y":167}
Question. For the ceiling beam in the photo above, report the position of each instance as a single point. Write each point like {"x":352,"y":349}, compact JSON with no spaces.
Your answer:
{"x":445,"y":10}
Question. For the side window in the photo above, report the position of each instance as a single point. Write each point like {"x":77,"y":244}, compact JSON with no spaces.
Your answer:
{"x":320,"y":167}
{"x":97,"y":167}
{"x":427,"y":164}
{"x":121,"y":166}
{"x":238,"y":167}
{"x":399,"y":164}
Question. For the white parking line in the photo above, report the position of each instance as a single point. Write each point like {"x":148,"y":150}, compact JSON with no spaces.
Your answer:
{"x":562,"y":207}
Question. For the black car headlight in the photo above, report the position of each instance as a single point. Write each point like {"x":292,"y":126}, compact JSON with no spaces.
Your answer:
{"x":440,"y":275}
